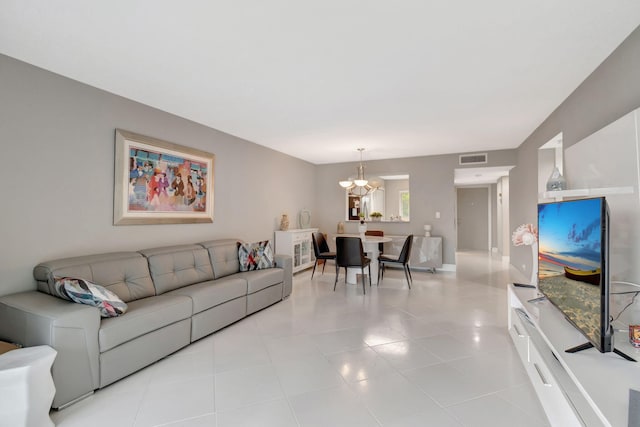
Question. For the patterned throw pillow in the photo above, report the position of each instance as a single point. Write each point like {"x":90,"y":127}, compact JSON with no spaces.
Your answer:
{"x":255,"y":256}
{"x":58,"y":286}
{"x":85,"y":292}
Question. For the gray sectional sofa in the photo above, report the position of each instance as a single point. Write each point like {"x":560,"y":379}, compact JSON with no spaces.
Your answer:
{"x":175,"y":296}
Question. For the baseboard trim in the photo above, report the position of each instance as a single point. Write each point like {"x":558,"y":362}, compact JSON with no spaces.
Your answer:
{"x":445,"y":267}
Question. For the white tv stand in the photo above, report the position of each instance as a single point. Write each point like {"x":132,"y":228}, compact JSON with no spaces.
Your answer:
{"x":587,"y":388}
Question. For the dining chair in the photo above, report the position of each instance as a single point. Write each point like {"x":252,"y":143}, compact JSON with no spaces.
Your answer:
{"x":402,"y":259}
{"x":378,"y":233}
{"x":349,"y":253}
{"x":321,"y":251}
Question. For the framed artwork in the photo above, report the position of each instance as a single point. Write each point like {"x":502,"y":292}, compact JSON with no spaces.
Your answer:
{"x":159,"y":182}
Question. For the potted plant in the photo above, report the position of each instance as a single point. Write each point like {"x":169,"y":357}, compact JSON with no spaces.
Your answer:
{"x":376,"y":216}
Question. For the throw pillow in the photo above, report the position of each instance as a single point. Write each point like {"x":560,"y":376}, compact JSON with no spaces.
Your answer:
{"x":255,"y":256}
{"x":58,"y":287}
{"x":85,"y":292}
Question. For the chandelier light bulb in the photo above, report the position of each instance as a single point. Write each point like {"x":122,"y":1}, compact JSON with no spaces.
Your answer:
{"x":361,"y":183}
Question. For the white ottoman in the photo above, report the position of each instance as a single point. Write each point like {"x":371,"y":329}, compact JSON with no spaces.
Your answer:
{"x":26,"y":386}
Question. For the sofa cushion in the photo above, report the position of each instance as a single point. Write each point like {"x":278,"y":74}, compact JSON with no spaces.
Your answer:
{"x":255,"y":256}
{"x":126,"y":274}
{"x":214,"y":292}
{"x":84,"y":292}
{"x":261,"y":279}
{"x":173,"y":267}
{"x":143,"y":316}
{"x":224,"y":256}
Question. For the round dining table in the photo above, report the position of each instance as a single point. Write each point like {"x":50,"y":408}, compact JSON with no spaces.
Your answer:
{"x":370,"y":246}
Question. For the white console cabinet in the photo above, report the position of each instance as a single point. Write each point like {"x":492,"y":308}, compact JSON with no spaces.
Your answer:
{"x":299,"y":245}
{"x":426,"y":252}
{"x":587,"y":388}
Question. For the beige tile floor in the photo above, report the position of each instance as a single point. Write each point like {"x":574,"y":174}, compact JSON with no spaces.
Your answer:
{"x":436,"y":355}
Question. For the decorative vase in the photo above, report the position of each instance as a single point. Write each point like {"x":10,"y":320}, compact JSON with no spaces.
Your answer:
{"x":284,"y":222}
{"x":427,"y":231}
{"x":556,"y":181}
{"x":304,"y":218}
{"x":341,"y":227}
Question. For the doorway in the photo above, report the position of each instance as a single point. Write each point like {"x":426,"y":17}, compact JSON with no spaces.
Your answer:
{"x":473,"y":219}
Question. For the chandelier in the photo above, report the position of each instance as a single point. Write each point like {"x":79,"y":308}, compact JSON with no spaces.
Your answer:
{"x":359,"y":186}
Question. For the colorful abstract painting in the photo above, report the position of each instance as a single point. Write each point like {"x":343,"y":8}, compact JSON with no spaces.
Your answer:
{"x":158,"y":182}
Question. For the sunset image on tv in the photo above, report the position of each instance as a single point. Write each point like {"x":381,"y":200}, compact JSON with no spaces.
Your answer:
{"x":570,"y":260}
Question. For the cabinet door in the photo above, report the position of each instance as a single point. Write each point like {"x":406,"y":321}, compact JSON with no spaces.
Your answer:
{"x":305,"y":249}
{"x":297,"y":254}
{"x":558,"y":408}
{"x":519,"y":336}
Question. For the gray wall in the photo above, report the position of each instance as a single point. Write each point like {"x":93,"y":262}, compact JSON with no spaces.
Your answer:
{"x":609,"y":93}
{"x":58,"y":172}
{"x":431,"y":187}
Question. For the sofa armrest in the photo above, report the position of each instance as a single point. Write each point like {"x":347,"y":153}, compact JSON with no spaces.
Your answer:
{"x":35,"y":318}
{"x":285,"y":262}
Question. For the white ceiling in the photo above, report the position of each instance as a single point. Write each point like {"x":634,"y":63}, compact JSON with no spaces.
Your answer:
{"x":317,"y":80}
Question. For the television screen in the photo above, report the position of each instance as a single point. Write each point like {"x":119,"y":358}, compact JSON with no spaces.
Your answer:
{"x":572,"y":264}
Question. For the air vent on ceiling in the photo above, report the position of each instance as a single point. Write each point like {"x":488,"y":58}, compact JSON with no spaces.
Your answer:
{"x":473,"y":159}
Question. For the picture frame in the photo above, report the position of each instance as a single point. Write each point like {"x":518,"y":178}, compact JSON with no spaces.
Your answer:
{"x":159,"y":182}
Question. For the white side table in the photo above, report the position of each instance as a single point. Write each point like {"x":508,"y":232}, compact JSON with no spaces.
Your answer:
{"x":26,"y":386}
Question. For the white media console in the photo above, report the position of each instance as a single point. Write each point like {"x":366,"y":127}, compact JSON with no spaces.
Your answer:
{"x":587,"y":388}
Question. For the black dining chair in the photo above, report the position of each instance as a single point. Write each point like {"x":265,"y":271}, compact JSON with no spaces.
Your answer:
{"x":321,"y":250}
{"x":349,"y":253}
{"x":402,"y":259}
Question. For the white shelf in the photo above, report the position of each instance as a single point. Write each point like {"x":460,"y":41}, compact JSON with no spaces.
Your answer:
{"x":586,"y":192}
{"x":594,"y":387}
{"x":298,"y":244}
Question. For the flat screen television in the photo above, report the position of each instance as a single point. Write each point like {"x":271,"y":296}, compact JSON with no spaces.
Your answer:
{"x":573,"y":261}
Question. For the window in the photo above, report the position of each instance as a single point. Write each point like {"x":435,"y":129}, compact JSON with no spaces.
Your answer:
{"x":404,"y":205}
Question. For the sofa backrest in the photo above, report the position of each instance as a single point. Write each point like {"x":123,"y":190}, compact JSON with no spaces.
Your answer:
{"x":124,"y":273}
{"x":223,"y":255}
{"x":173,"y":267}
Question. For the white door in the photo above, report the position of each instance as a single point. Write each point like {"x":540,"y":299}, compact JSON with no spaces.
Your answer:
{"x":473,"y":219}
